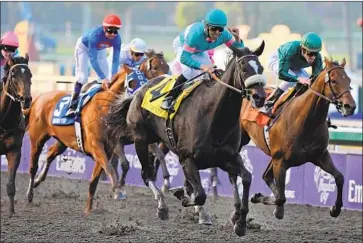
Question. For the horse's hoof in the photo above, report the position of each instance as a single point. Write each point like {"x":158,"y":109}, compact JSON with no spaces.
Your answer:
{"x":279,"y":212}
{"x":240,"y":231}
{"x":163,"y":213}
{"x":30,"y":198}
{"x":119,"y":196}
{"x":11,"y":214}
{"x":334,"y":211}
{"x":87,"y":212}
{"x":257,"y":198}
{"x":204,"y":219}
{"x":234,"y":218}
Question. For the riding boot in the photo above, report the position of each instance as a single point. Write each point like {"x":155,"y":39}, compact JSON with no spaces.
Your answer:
{"x":169,"y":100}
{"x":73,"y":103}
{"x":266,"y":109}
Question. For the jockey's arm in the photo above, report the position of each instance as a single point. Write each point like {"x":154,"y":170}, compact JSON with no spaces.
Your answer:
{"x":186,"y":57}
{"x":317,"y":66}
{"x":116,"y":55}
{"x":284,"y":67}
{"x":229,"y":40}
{"x":92,"y":49}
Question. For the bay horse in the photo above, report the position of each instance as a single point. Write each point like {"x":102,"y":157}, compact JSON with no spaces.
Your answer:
{"x":95,"y":143}
{"x":206,"y":137}
{"x":301,"y":134}
{"x":15,"y":99}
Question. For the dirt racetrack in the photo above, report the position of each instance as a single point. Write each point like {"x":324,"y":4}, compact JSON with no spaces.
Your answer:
{"x":56,"y":216}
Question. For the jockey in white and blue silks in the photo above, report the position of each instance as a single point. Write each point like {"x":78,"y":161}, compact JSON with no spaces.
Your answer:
{"x":192,"y":45}
{"x":92,"y":47}
{"x":9,"y":44}
{"x":132,"y":54}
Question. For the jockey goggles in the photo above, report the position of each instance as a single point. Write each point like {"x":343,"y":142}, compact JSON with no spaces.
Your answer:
{"x":310,"y":53}
{"x":112,"y":30}
{"x":9,"y":48}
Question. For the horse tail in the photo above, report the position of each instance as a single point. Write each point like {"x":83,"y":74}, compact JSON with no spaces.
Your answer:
{"x":115,"y":122}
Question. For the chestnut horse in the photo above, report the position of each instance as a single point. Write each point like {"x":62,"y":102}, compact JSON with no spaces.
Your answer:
{"x":95,"y":144}
{"x":15,"y":98}
{"x":301,"y":134}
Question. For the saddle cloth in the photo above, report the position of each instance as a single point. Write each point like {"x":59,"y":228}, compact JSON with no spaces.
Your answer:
{"x":162,"y":87}
{"x":61,"y":108}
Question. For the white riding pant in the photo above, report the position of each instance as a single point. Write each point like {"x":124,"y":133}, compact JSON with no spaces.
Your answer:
{"x":81,"y":55}
{"x":178,"y":68}
{"x":273,"y":65}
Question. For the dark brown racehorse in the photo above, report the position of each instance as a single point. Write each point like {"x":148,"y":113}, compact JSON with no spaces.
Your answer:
{"x":301,"y":135}
{"x":94,"y":143}
{"x":206,"y":136}
{"x":15,"y":98}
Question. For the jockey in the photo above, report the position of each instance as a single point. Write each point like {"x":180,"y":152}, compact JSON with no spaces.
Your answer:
{"x":9,"y":44}
{"x":91,"y":46}
{"x":192,"y":45}
{"x":132,"y":54}
{"x":287,"y":64}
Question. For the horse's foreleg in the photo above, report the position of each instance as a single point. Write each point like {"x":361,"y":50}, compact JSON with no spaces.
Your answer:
{"x":55,"y":150}
{"x":325,"y":162}
{"x":192,"y":176}
{"x":13,"y":158}
{"x":279,"y":172}
{"x":37,"y":144}
{"x":125,"y":165}
{"x":237,"y":201}
{"x":161,"y":158}
{"x":100,"y":157}
{"x":268,"y":177}
{"x":97,"y":169}
{"x":147,"y":175}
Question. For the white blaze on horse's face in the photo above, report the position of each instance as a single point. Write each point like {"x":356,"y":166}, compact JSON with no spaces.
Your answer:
{"x":22,"y":70}
{"x":254,"y":65}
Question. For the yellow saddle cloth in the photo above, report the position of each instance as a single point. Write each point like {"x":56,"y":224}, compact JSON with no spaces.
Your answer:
{"x":162,"y":87}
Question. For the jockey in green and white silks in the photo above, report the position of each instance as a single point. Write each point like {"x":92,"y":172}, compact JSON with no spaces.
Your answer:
{"x":191,"y":48}
{"x":288,"y":64}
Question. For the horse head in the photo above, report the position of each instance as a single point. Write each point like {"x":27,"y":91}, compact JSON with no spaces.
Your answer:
{"x":335,"y":87}
{"x":18,"y":82}
{"x":155,"y":65}
{"x":247,"y":71}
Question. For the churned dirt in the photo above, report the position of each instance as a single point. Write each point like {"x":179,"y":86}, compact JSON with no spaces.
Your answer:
{"x":57,"y":216}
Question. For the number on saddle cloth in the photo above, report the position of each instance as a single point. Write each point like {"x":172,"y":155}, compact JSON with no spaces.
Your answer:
{"x":60,"y":111}
{"x":138,"y":77}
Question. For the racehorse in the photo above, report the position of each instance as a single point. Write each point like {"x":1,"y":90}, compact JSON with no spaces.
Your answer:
{"x":204,"y":137}
{"x":95,"y":143}
{"x":15,"y":99}
{"x":152,"y":67}
{"x":301,"y":134}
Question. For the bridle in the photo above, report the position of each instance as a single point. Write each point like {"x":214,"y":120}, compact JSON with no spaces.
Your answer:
{"x":335,"y":98}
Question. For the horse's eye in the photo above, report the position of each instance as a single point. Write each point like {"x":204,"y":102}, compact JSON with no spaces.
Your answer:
{"x":333,"y":81}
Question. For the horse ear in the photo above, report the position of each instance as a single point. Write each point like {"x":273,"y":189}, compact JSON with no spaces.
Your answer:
{"x":149,"y":53}
{"x":260,"y":49}
{"x":343,"y":62}
{"x":27,"y":57}
{"x":327,"y":61}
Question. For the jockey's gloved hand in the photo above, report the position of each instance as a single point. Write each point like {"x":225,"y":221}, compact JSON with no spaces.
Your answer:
{"x":207,"y":68}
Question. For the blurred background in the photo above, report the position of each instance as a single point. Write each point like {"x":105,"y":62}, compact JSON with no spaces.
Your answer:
{"x":48,"y":32}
